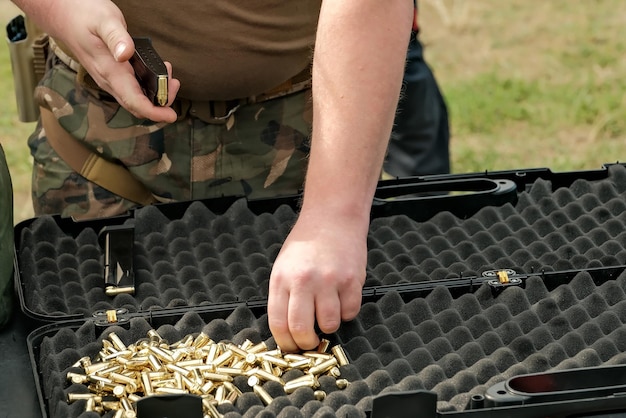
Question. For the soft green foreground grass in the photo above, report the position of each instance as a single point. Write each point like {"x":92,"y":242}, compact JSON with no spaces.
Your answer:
{"x":528,"y":84}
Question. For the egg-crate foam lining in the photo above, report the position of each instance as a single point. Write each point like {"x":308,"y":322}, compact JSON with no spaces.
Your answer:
{"x":455,"y":347}
{"x":204,"y":258}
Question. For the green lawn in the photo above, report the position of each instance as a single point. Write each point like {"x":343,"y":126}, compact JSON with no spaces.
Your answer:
{"x":531,"y":84}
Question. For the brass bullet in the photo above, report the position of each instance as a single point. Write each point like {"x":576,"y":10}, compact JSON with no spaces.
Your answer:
{"x":83,"y":362}
{"x":276,"y":361}
{"x":237,"y":351}
{"x":230,"y":387}
{"x":216,"y":377}
{"x":117,"y":342}
{"x":91,"y":405}
{"x":317,"y":356}
{"x":133,"y":397}
{"x":162,"y":354}
{"x":73,"y":397}
{"x":220,"y":394}
{"x":120,"y":378}
{"x":157,"y":375}
{"x":335,"y":372}
{"x":146,"y":382}
{"x":267,"y":366}
{"x":231,"y":397}
{"x":154,"y":337}
{"x":154,"y":362}
{"x":231,"y":371}
{"x":301,"y":364}
{"x":342,"y":383}
{"x":207,"y":387}
{"x":206,"y":368}
{"x":211,"y":354}
{"x":340,"y":354}
{"x":94,"y":367}
{"x":192,"y":363}
{"x":262,"y":393}
{"x":126,"y":405}
{"x":115,"y":354}
{"x":174,"y":368}
{"x":319,"y":395}
{"x":190,"y":385}
{"x":119,"y":391}
{"x":257,"y":348}
{"x":263,"y":375}
{"x":180,"y":353}
{"x":186,"y":342}
{"x":170,"y":391}
{"x":114,"y":291}
{"x":76,"y":378}
{"x":201,"y":340}
{"x":253,"y":381}
{"x":323,"y":366}
{"x":131,"y":388}
{"x":223,"y":358}
{"x":94,"y":378}
{"x":323,"y":346}
{"x":110,"y":405}
{"x":307,"y":380}
{"x":108,"y":370}
{"x":293,"y":357}
{"x":210,"y":409}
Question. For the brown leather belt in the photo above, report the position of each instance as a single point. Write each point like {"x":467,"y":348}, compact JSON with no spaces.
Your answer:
{"x":210,"y":111}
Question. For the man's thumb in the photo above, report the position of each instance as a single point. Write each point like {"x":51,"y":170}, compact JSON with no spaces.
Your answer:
{"x":119,"y":42}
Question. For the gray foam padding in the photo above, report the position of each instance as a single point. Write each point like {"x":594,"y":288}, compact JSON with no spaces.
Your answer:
{"x":203,"y":258}
{"x":454,"y":345}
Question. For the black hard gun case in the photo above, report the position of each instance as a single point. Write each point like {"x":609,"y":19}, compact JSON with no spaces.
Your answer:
{"x":481,"y":290}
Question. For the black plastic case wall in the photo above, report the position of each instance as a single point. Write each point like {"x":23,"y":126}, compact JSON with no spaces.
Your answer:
{"x":472,"y":280}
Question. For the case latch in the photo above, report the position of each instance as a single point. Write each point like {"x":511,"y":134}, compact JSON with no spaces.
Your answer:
{"x":108,"y":317}
{"x":499,"y":280}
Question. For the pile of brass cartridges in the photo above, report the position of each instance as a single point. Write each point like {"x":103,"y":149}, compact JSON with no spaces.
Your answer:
{"x":120,"y":375}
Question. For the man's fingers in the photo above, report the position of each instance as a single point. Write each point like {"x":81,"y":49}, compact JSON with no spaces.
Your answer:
{"x":328,"y":310}
{"x":351,"y":297}
{"x":173,"y":85}
{"x":277,"y":307}
{"x":301,"y":318}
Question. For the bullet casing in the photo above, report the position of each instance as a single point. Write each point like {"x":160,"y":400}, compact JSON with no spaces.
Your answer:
{"x":200,"y":366}
{"x":340,"y":355}
{"x":262,"y":393}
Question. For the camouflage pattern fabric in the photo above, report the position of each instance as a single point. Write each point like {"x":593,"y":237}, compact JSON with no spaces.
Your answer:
{"x":259,"y":151}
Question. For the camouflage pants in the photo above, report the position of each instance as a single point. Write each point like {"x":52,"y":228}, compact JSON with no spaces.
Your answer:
{"x":259,"y":151}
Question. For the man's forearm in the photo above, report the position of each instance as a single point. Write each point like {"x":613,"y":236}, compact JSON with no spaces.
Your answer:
{"x":357,"y":75}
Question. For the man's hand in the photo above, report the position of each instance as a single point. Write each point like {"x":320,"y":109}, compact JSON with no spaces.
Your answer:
{"x":319,"y":274}
{"x":358,"y":65}
{"x":95,"y":33}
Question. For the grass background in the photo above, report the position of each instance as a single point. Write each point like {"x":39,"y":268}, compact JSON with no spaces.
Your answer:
{"x":528,"y":84}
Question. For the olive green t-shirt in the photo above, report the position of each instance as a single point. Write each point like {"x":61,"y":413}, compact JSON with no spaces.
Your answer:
{"x":227,"y":49}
